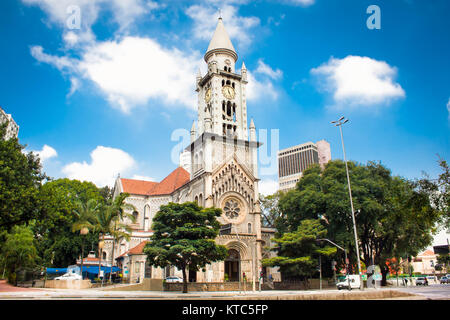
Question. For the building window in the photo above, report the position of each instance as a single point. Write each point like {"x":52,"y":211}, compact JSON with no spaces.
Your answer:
{"x":249,"y":228}
{"x":137,"y":267}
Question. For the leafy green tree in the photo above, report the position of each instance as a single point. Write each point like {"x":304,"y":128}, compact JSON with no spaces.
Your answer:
{"x":85,"y":219}
{"x":20,"y":179}
{"x":394,"y":218}
{"x":270,"y":209}
{"x":58,"y":199}
{"x":184,"y":237}
{"x":120,"y":211}
{"x":444,"y":260}
{"x":439,"y":191}
{"x":107,"y":193}
{"x":108,"y":223}
{"x":18,"y":251}
{"x":298,"y":251}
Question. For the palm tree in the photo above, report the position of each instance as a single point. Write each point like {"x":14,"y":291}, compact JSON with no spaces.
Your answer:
{"x":104,"y":223}
{"x":110,"y":220}
{"x":85,"y":215}
{"x":120,"y":230}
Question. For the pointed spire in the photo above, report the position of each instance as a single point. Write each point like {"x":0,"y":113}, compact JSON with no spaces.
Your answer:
{"x":220,"y":42}
{"x":252,"y":124}
{"x":199,"y":74}
{"x":252,"y":131}
{"x":193,"y":132}
{"x":243,"y":66}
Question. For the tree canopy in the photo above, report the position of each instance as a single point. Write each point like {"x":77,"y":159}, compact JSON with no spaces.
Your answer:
{"x":59,"y":201}
{"x":183,"y":236}
{"x":298,"y":251}
{"x":20,"y":178}
{"x":394,"y":218}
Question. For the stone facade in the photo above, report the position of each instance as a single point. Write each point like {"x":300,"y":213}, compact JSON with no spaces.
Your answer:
{"x":223,"y":173}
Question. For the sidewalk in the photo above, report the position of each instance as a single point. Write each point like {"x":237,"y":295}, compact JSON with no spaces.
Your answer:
{"x":95,"y":294}
{"x":6,"y":287}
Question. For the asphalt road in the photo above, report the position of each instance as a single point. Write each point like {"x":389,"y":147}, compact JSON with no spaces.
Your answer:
{"x":432,"y":291}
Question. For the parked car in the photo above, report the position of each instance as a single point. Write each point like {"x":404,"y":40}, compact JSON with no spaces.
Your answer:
{"x":421,"y":281}
{"x":174,"y":279}
{"x":69,"y":276}
{"x":445,"y":280}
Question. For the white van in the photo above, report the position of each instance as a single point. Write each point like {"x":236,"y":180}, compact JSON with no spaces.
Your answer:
{"x":354,"y":281}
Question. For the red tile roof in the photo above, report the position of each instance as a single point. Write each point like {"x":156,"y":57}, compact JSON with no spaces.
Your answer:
{"x":169,"y":184}
{"x":139,"y":249}
{"x":428,"y":253}
{"x":137,"y":186}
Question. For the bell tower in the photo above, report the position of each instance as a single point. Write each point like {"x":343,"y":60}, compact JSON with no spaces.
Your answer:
{"x":222,"y":107}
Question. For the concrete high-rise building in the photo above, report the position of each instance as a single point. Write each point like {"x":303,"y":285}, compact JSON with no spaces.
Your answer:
{"x":294,"y":160}
{"x":12,"y":130}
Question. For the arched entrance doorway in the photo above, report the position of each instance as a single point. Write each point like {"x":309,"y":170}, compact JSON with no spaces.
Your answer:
{"x":233,"y":265}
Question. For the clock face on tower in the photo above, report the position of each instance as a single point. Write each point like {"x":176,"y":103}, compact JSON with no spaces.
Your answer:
{"x":228,"y":92}
{"x":208,"y":95}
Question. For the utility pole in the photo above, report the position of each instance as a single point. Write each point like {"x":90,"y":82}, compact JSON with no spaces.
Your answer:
{"x":339,"y":124}
{"x":345,"y":257}
{"x":320,"y":271}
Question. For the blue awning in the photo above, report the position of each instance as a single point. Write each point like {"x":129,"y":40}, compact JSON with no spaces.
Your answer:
{"x":94,"y":270}
{"x":91,"y":269}
{"x":56,"y":270}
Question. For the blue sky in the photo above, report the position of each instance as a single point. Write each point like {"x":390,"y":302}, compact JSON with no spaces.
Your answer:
{"x":107,"y":97}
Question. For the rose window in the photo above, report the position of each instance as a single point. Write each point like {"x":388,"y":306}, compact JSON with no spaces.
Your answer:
{"x":231,"y":209}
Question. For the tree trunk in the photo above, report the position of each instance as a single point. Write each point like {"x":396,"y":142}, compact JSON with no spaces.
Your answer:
{"x":112,"y":259}
{"x":384,"y":272}
{"x":100,"y":257}
{"x":82,"y":253}
{"x":185,"y":286}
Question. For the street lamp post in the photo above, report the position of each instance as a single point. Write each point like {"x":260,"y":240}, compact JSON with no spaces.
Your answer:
{"x":84,"y":231}
{"x":339,"y":124}
{"x":345,"y":257}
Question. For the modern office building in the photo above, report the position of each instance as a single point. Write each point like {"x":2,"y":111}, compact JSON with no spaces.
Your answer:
{"x":294,"y":160}
{"x":12,"y":130}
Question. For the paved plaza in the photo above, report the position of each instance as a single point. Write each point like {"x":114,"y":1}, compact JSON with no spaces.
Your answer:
{"x":433,"y":292}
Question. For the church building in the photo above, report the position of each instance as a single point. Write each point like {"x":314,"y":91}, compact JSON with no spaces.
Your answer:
{"x":222,"y":172}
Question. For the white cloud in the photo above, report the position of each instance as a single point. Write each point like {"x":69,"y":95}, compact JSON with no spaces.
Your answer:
{"x":257,"y":90}
{"x":133,"y":70}
{"x":448,"y":108}
{"x":145,"y":178}
{"x":61,"y":63}
{"x":106,"y":163}
{"x":124,"y":11}
{"x":303,"y":3}
{"x":357,"y":80}
{"x":74,"y":86}
{"x":268,"y":187}
{"x":267,"y":70}
{"x":205,"y":21}
{"x":46,"y":153}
